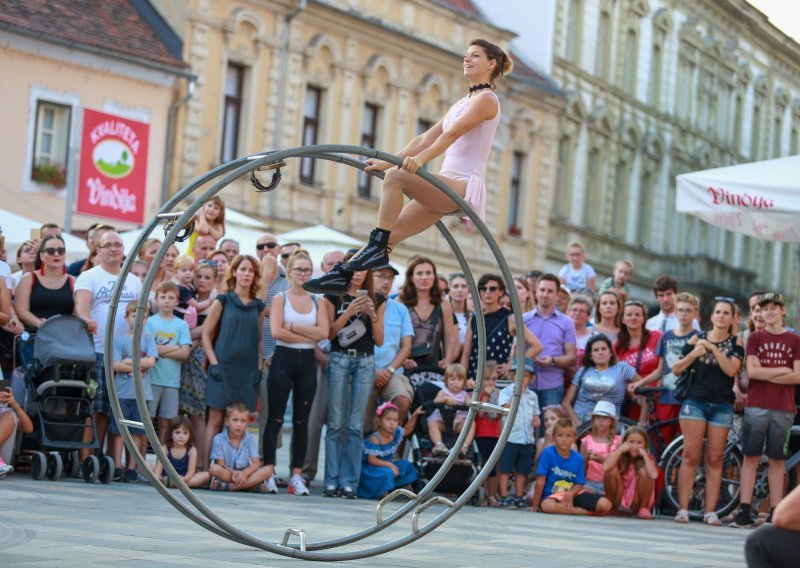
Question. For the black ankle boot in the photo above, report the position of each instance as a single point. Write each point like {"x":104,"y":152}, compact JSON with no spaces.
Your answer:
{"x":374,"y":255}
{"x":335,"y":283}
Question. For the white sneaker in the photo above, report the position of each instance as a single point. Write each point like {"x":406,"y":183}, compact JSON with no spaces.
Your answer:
{"x":5,"y":469}
{"x":297,"y":486}
{"x":272,"y":487}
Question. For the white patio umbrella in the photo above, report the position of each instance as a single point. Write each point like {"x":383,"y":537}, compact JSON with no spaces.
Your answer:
{"x":759,"y":199}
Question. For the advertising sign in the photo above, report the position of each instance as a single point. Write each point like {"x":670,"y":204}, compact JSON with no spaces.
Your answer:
{"x":113,"y":167}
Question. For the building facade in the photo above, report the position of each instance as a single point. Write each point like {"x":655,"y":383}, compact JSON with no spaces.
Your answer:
{"x":280,"y":74}
{"x":113,"y":59}
{"x":657,"y":88}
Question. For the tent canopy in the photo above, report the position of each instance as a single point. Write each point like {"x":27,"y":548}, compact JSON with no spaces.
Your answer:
{"x":17,"y":230}
{"x":759,"y":199}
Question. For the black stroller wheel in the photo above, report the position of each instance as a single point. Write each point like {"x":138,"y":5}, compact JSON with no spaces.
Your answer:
{"x":38,"y":466}
{"x":55,"y":466}
{"x":106,"y":469}
{"x":90,"y":468}
{"x":72,"y":464}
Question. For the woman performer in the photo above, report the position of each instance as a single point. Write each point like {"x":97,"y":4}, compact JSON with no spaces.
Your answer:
{"x":465,"y":136}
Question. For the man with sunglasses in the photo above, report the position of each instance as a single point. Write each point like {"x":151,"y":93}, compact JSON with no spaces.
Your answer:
{"x":93,"y":290}
{"x":273,"y":281}
{"x":286,"y":251}
{"x":556,"y":332}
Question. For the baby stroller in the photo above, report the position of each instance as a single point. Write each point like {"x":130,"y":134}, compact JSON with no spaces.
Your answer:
{"x":59,"y":370}
{"x":427,"y":382}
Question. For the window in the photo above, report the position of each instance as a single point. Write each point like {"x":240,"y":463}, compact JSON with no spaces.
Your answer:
{"x":629,"y":68}
{"x":755,"y":136}
{"x":794,"y":136}
{"x":619,"y":213}
{"x":777,"y":135}
{"x":592,"y":195}
{"x":574,"y":25}
{"x":234,"y":88}
{"x":723,"y":111}
{"x":515,"y":193}
{"x":645,"y":208}
{"x":737,"y":122}
{"x":654,"y":85}
{"x":686,"y":77}
{"x":310,"y":131}
{"x":369,"y":128}
{"x":563,"y":196}
{"x":602,"y":57}
{"x":51,"y":143}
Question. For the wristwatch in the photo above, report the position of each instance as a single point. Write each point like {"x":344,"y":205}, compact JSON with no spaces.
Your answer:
{"x":391,"y":369}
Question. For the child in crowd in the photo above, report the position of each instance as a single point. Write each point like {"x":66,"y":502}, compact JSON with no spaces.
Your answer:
{"x":599,"y":443}
{"x":517,"y":457}
{"x":550,"y":415}
{"x":487,"y":428}
{"x":122,"y":353}
{"x":618,"y":283}
{"x":454,"y":393}
{"x":560,"y":477}
{"x":188,"y":305}
{"x":380,"y":473}
{"x":234,"y":455}
{"x":210,"y":220}
{"x":631,"y":474}
{"x":576,"y":274}
{"x":174,"y":344}
{"x":182,"y":454}
{"x":139,"y":269}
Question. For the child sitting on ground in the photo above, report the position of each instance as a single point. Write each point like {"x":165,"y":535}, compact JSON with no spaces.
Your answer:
{"x":631,"y":474}
{"x":380,"y":473}
{"x":234,"y":453}
{"x":487,"y":429}
{"x":561,"y":475}
{"x":182,"y":454}
{"x":550,"y":415}
{"x":517,"y":457}
{"x":454,"y":393}
{"x":598,"y":444}
{"x":122,"y":353}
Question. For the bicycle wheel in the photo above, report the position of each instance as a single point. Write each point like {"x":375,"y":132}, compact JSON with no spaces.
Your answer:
{"x":729,"y":485}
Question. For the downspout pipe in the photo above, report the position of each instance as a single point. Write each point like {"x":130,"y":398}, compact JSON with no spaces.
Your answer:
{"x":168,"y":148}
{"x":284,"y":61}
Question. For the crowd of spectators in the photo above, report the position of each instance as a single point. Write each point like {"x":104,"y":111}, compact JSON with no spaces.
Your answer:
{"x":232,"y":334}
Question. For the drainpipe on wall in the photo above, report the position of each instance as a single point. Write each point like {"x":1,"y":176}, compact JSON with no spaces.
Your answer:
{"x":282,"y":89}
{"x":173,"y":110}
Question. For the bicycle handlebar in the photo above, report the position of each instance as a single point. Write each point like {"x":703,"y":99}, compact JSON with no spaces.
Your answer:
{"x":649,"y":390}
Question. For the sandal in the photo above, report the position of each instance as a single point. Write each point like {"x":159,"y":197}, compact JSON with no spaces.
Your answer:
{"x":218,"y":485}
{"x":682,"y":516}
{"x":260,"y":488}
{"x":493,"y":501}
{"x":712,"y":519}
{"x":439,"y":449}
{"x":644,"y":514}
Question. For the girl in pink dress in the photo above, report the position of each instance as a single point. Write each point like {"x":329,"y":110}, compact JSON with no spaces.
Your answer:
{"x":631,"y":474}
{"x":599,"y":443}
{"x":465,"y":136}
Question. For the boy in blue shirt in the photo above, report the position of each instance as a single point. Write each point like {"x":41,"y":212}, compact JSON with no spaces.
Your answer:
{"x":561,"y":475}
{"x":234,"y":455}
{"x":122,"y":354}
{"x":174,"y":344}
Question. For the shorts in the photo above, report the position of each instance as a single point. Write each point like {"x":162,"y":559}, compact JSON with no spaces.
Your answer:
{"x":596,"y":486}
{"x":718,"y":414}
{"x":130,"y":412}
{"x":165,"y":403}
{"x":101,"y":404}
{"x":485,"y":448}
{"x":398,"y":385}
{"x":773,"y":427}
{"x":517,"y":458}
{"x":585,"y":499}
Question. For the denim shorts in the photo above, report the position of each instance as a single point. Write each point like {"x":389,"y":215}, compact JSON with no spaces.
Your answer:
{"x":770,"y":427}
{"x":715,"y":413}
{"x":516,"y":458}
{"x":130,"y":412}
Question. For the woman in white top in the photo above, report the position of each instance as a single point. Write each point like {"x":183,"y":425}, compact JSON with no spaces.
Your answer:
{"x":296,"y":324}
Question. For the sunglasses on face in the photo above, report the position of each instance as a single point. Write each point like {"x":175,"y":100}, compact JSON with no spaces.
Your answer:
{"x":211,"y":263}
{"x":488,"y":288}
{"x":302,"y":270}
{"x":286,"y":254}
{"x":52,"y":251}
{"x":724,"y":299}
{"x":262,"y":246}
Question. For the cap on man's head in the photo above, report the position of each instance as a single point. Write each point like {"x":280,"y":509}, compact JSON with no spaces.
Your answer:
{"x":386,"y":267}
{"x":772,"y":297}
{"x":604,"y":408}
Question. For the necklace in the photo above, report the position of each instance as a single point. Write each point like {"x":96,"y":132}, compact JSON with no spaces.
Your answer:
{"x":474,"y":88}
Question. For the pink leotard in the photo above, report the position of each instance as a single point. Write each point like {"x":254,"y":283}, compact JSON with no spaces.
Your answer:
{"x":466,"y":158}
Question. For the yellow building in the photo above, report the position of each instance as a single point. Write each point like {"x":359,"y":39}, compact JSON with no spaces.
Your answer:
{"x":282,"y":73}
{"x":111,"y":57}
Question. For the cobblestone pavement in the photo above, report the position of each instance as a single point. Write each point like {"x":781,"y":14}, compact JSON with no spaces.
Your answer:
{"x":71,"y":523}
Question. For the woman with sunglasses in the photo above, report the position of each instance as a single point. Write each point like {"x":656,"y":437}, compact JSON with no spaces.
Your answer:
{"x":47,"y":291}
{"x":297,"y":324}
{"x":500,"y":331}
{"x":707,"y":413}
{"x":636,"y":345}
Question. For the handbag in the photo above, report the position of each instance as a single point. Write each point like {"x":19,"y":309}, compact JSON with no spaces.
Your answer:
{"x":684,"y":383}
{"x":351,"y":333}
